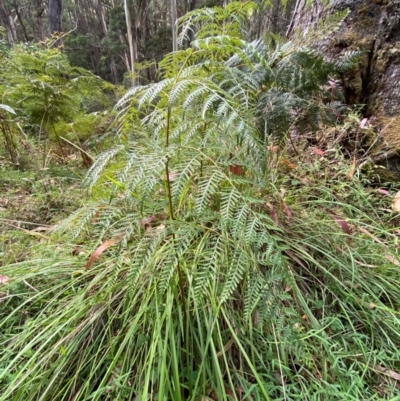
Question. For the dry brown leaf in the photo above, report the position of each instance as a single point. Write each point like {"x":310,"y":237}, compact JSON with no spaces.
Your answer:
{"x":147,"y":221}
{"x":287,"y":211}
{"x":387,"y":372}
{"x":383,"y":191}
{"x":274,"y":213}
{"x":95,"y":255}
{"x":318,"y":151}
{"x":376,"y":239}
{"x":341,"y":222}
{"x":44,"y":228}
{"x":391,"y":258}
{"x":172,"y":175}
{"x":235,"y":169}
{"x":396,"y":203}
{"x":227,"y":347}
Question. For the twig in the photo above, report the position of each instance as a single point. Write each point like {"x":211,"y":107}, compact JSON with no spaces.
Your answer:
{"x":24,"y":222}
{"x":31,"y":287}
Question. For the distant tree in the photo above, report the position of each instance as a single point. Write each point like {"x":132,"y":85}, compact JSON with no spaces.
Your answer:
{"x":55,"y":9}
{"x":173,"y":25}
{"x":7,"y":20}
{"x":132,"y":45}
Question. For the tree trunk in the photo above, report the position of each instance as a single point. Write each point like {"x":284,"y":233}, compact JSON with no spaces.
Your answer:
{"x":374,"y":27}
{"x":21,"y":22}
{"x":102,"y":17}
{"x":8,"y":21}
{"x":132,"y":49}
{"x":55,"y":8}
{"x":305,"y":16}
{"x":191,"y":5}
{"x":40,"y":24}
{"x":173,"y":26}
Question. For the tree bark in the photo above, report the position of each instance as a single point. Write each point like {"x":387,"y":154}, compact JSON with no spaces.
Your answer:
{"x":102,"y":17}
{"x":173,"y":26}
{"x":191,"y":5}
{"x":132,"y":49}
{"x":55,"y":8}
{"x":8,"y":21}
{"x":40,"y":11}
{"x":305,"y":16}
{"x":374,"y":27}
{"x":21,"y":21}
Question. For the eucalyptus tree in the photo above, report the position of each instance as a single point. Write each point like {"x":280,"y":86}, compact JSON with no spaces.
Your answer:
{"x":7,"y":20}
{"x":55,"y":13}
{"x":131,"y":40}
{"x":173,"y":25}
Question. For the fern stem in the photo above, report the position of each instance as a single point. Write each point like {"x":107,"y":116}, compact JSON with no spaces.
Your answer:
{"x":201,"y":149}
{"x":169,"y":192}
{"x":172,"y":214}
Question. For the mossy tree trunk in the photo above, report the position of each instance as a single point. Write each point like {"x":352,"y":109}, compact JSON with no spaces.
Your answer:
{"x":372,"y":26}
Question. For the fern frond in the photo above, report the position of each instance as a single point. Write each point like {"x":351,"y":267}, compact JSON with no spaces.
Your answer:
{"x":99,"y":164}
{"x":256,"y":284}
{"x":207,"y":188}
{"x":241,"y":262}
{"x":144,"y":255}
{"x":229,"y":201}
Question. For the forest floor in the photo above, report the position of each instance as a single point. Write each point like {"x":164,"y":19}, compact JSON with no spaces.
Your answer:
{"x":31,"y":201}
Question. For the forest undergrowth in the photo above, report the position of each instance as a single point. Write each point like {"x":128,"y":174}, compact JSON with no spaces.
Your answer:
{"x":229,"y":246}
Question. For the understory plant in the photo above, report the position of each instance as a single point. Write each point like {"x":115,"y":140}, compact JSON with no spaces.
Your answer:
{"x":49,"y":97}
{"x":203,"y":269}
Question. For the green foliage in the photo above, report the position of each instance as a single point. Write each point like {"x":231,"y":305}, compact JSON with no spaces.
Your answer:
{"x":85,"y":128}
{"x":41,"y":84}
{"x":3,"y":44}
{"x":47,"y":93}
{"x":159,"y":44}
{"x":216,"y":21}
{"x":78,"y":49}
{"x":210,"y":270}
